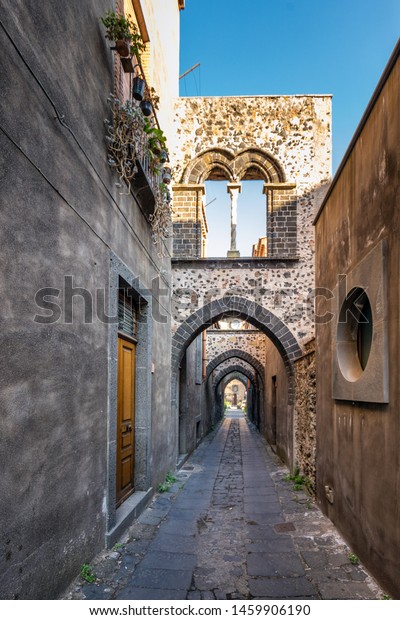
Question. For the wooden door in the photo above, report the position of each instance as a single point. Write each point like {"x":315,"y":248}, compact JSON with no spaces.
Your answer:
{"x":125,"y":419}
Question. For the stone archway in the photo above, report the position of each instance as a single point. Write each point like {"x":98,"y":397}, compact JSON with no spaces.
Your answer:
{"x":237,"y":353}
{"x":234,"y":369}
{"x":228,"y":374}
{"x":255,"y":394}
{"x":233,"y":305}
{"x":235,"y":374}
{"x":246,"y":382}
{"x":261,"y":318}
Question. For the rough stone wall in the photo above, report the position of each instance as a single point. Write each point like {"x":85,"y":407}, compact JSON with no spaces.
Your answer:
{"x":187,"y":224}
{"x":295,"y":130}
{"x":252,"y":342}
{"x":305,"y":414}
{"x":284,"y":288}
{"x":282,"y":223}
{"x":277,"y":422}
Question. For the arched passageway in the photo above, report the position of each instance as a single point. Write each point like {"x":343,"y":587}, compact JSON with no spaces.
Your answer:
{"x":234,"y":390}
{"x":254,"y":394}
{"x":240,"y":362}
{"x":263,"y":320}
{"x":237,"y":353}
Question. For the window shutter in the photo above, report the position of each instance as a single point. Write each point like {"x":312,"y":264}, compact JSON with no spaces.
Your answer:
{"x":126,"y":314}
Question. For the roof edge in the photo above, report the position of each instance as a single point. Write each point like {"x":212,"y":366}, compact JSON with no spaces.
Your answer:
{"x":375,"y":96}
{"x":184,"y":98}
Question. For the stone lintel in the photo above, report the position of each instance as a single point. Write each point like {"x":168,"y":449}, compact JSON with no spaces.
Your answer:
{"x":247,"y":262}
{"x":191,"y":187}
{"x":282,"y":186}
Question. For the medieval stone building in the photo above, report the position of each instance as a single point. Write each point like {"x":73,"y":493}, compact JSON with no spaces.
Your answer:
{"x":120,"y":343}
{"x":284,"y":142}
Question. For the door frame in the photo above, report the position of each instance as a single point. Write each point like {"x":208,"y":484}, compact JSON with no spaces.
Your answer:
{"x":123,"y":338}
{"x":121,"y":275}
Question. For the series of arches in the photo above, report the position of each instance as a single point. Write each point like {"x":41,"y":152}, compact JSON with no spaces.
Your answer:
{"x":217,"y":369}
{"x":248,"y":164}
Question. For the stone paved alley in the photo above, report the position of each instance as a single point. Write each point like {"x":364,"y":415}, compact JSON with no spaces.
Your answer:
{"x":230,"y":527}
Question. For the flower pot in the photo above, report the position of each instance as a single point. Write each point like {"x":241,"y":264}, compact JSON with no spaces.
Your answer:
{"x":138,"y":88}
{"x":123,"y":47}
{"x":163,"y":157}
{"x":146,"y":107}
{"x":155,"y":147}
{"x":166,"y":176}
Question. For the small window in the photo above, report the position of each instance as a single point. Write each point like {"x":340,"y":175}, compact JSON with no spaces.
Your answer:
{"x":127,"y":316}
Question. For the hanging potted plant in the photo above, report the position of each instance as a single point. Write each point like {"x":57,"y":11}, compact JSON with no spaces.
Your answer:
{"x":163,"y":157}
{"x":166,"y":175}
{"x":138,"y":87}
{"x":124,"y":33}
{"x":150,"y":101}
{"x":156,"y":141}
{"x":146,"y":107}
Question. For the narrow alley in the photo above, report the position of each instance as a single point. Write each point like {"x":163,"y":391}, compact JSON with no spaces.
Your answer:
{"x":232,"y":526}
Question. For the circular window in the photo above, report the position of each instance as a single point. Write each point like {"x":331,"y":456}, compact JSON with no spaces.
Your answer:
{"x":354,"y":334}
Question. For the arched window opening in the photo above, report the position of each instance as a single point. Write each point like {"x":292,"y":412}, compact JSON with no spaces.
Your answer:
{"x":251,"y":216}
{"x":217,"y":210}
{"x":236,"y":216}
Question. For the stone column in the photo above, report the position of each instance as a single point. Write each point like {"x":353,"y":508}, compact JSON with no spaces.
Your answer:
{"x":234,"y":190}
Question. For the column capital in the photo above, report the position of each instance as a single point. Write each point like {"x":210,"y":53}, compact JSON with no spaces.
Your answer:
{"x":230,"y":187}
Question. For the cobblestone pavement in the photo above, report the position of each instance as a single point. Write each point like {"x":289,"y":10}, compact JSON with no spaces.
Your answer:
{"x":230,"y":527}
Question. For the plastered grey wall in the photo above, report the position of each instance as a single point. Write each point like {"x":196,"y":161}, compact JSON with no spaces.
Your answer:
{"x":277,"y":423}
{"x":358,"y":442}
{"x":62,"y":214}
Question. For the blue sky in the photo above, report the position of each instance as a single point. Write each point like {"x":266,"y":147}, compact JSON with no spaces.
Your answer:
{"x":264,"y":47}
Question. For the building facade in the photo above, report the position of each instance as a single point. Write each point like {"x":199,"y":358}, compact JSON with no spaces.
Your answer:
{"x":357,"y":343}
{"x":86,"y":426}
{"x":283,"y":143}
